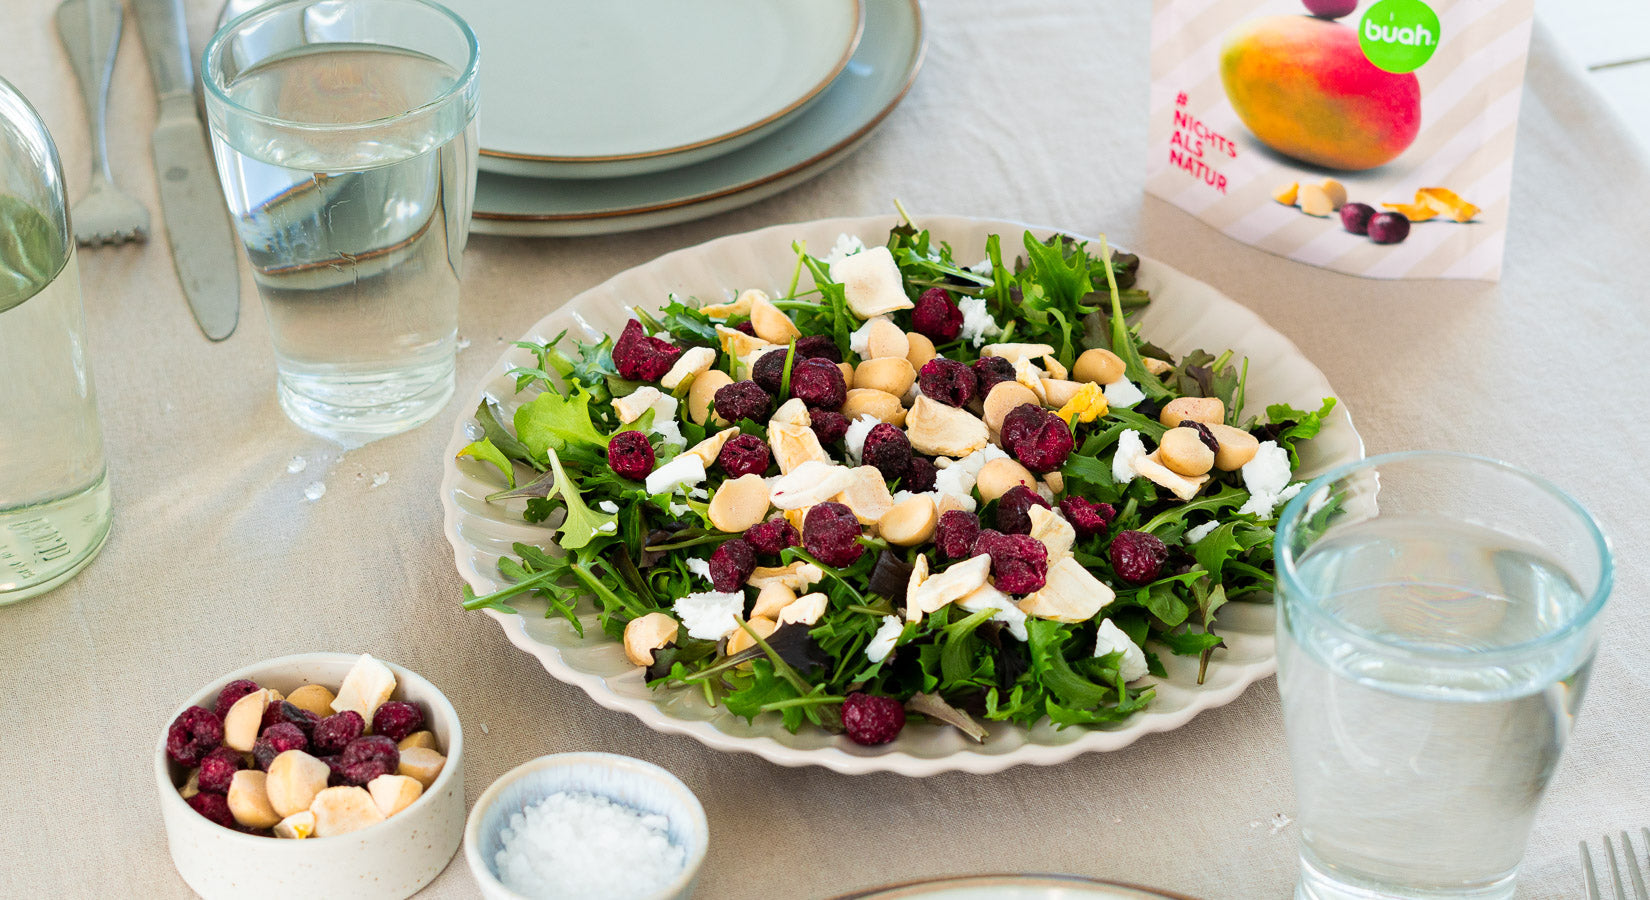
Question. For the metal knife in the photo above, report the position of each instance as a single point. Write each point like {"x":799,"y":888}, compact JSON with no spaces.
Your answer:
{"x":197,"y":222}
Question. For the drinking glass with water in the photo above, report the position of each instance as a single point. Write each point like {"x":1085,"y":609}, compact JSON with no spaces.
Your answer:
{"x":1437,"y":619}
{"x":54,"y":495}
{"x":345,"y":137}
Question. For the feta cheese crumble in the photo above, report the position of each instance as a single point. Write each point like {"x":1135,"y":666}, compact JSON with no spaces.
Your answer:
{"x":1111,"y":639}
{"x":846,"y":245}
{"x":854,"y":440}
{"x":1265,"y":477}
{"x":710,"y":615}
{"x":957,"y":478}
{"x":1129,"y":449}
{"x":608,"y":506}
{"x":1200,"y":532}
{"x":859,"y":340}
{"x":1123,"y":394}
{"x":686,"y":469}
{"x":665,"y":424}
{"x":977,"y":323}
{"x":699,"y":567}
{"x":882,"y":643}
{"x":988,"y":597}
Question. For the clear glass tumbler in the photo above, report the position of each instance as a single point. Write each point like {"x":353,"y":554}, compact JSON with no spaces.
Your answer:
{"x":345,"y":137}
{"x":54,"y":493}
{"x":1437,"y":618}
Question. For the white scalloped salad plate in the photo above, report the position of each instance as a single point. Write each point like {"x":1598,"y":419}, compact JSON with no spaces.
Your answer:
{"x":1185,"y":314}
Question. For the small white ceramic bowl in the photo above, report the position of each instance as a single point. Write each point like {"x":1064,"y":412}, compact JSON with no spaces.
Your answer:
{"x":387,"y":861}
{"x":632,"y":782}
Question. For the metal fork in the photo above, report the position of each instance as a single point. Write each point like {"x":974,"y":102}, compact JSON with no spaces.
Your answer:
{"x":90,"y":30}
{"x":1619,"y":881}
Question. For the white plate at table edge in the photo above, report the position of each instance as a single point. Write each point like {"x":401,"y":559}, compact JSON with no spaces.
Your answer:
{"x":1185,"y":314}
{"x":767,"y":113}
{"x":1012,"y":887}
{"x":904,"y":51}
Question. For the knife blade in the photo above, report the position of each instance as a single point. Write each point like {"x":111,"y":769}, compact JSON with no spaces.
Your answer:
{"x":192,"y":206}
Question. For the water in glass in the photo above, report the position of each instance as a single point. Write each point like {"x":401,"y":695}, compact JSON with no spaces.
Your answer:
{"x":54,"y":495}
{"x":355,"y":246}
{"x":1424,"y":769}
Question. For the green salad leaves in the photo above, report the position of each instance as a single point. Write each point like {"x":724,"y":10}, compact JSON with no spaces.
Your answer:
{"x":612,"y":551}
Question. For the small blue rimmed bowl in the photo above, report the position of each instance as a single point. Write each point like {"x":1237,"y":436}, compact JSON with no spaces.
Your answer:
{"x":642,"y":786}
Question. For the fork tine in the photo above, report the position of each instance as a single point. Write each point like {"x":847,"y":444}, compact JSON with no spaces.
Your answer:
{"x":1587,"y":874}
{"x":1633,"y":872}
{"x":1616,"y":880}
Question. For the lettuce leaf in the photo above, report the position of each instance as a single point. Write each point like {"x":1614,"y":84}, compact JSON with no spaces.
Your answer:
{"x":486,"y":452}
{"x":553,"y":422}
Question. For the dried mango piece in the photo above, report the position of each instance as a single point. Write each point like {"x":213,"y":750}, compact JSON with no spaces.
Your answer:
{"x":1088,"y":404}
{"x":1286,"y":194}
{"x":1414,"y":212}
{"x":1446,"y":202}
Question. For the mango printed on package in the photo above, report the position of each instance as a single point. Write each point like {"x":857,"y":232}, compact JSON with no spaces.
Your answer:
{"x":1263,"y":109}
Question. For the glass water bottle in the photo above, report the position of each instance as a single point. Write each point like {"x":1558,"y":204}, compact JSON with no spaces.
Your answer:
{"x":54,"y":492}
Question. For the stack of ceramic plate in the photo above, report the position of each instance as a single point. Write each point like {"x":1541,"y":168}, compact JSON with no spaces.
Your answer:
{"x":614,"y":116}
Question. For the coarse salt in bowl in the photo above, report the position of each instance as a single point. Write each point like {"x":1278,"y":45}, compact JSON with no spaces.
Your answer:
{"x":600,"y":797}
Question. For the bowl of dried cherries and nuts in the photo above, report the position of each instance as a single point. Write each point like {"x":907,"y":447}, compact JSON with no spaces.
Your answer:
{"x":322,"y":774}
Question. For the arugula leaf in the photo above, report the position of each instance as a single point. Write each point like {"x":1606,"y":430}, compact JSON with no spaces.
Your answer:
{"x":1088,"y":470}
{"x":1216,"y":548}
{"x":1189,"y":643}
{"x":1290,"y":425}
{"x":1064,"y":716}
{"x":1147,"y":426}
{"x":486,"y":452}
{"x":582,"y":524}
{"x":1064,"y":279}
{"x":960,"y":659}
{"x":1164,"y":602}
{"x":682,"y":320}
{"x":999,"y":293}
{"x":1122,"y":339}
{"x":1227,"y":497}
{"x":764,"y":688}
{"x":1212,"y":603}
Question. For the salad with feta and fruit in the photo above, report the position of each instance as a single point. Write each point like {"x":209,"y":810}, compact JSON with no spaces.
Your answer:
{"x":973,"y":493}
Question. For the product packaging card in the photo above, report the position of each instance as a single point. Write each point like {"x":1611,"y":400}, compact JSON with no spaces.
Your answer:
{"x":1373,"y":137}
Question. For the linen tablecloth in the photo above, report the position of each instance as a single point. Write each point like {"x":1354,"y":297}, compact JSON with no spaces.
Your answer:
{"x":1030,"y":109}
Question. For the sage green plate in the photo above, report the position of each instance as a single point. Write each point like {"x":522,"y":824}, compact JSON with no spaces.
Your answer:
{"x":873,"y":83}
{"x":581,"y":89}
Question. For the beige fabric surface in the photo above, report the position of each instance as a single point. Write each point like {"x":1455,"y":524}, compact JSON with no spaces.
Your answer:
{"x":1026,"y":109}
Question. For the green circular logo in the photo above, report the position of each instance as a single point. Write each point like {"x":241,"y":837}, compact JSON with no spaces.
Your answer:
{"x":1399,"y":35}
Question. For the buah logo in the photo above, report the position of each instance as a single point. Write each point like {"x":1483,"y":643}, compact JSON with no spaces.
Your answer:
{"x":1399,"y":35}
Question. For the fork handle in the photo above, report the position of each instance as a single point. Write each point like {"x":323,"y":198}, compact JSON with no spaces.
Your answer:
{"x":90,"y":30}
